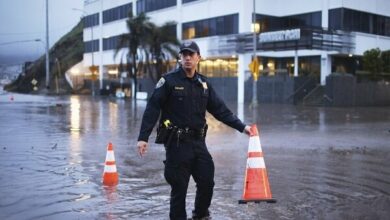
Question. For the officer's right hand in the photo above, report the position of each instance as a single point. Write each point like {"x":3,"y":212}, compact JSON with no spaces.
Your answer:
{"x":142,"y":146}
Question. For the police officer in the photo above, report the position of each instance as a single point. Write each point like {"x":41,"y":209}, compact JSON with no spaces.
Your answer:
{"x":182,"y":97}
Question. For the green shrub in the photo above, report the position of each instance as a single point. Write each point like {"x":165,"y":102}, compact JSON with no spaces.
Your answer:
{"x":373,"y":62}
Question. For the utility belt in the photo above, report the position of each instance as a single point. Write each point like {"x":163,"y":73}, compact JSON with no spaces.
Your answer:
{"x":167,"y":131}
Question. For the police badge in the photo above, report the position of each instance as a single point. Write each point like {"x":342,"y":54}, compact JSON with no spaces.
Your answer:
{"x":160,"y":83}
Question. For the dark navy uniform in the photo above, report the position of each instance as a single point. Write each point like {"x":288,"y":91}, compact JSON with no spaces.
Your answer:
{"x":184,"y":102}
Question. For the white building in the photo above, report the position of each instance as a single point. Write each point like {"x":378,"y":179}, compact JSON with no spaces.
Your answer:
{"x":295,"y":37}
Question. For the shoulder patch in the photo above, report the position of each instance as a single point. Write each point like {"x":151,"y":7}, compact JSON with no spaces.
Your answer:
{"x":160,"y":83}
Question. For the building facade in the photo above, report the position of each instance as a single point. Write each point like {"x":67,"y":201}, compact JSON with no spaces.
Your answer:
{"x":301,"y":37}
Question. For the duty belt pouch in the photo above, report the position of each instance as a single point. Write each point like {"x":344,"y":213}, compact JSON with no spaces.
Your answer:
{"x":164,"y":134}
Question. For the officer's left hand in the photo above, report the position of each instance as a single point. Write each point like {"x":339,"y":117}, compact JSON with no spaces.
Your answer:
{"x":247,"y":130}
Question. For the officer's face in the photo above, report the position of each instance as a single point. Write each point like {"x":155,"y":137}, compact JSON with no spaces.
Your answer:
{"x":189,"y":59}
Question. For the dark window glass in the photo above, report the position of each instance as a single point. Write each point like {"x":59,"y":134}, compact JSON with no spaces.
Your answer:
{"x":387,"y":27}
{"x":153,"y":5}
{"x":91,"y":46}
{"x":271,"y":23}
{"x":91,"y":20}
{"x":213,"y":27}
{"x":186,"y":1}
{"x":116,"y":13}
{"x":111,"y":43}
{"x":210,"y":27}
{"x":235,"y":24}
{"x":220,"y":26}
{"x":335,"y":19}
{"x":352,"y":20}
{"x":316,"y":19}
{"x":364,"y":21}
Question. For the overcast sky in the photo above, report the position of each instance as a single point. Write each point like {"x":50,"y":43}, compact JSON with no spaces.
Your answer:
{"x":23,"y":21}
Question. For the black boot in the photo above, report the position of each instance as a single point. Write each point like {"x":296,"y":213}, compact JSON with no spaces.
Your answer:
{"x":197,"y":217}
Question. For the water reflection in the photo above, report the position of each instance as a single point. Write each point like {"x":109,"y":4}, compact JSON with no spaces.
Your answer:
{"x":113,"y":119}
{"x":75,"y":115}
{"x":336,"y":157}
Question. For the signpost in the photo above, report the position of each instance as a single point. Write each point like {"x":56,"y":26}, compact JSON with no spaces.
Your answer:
{"x":34,"y":83}
{"x":94,"y":70}
{"x":254,"y":68}
{"x":254,"y":65}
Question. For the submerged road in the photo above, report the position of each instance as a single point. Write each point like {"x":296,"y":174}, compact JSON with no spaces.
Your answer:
{"x":322,"y":163}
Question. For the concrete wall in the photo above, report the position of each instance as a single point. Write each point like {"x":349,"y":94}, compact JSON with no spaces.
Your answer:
{"x":225,"y":87}
{"x":344,"y":90}
{"x":275,"y":89}
{"x":280,"y":89}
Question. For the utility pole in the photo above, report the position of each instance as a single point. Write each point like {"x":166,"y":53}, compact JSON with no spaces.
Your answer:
{"x":47,"y":45}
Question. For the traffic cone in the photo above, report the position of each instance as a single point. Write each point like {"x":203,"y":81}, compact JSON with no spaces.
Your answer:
{"x":256,"y":186}
{"x":110,"y":175}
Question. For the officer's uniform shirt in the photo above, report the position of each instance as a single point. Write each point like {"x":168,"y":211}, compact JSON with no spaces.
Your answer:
{"x":184,"y":102}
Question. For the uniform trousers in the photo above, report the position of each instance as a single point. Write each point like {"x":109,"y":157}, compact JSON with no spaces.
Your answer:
{"x":184,"y":158}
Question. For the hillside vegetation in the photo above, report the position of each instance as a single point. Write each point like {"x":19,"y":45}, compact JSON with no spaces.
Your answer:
{"x":67,"y":52}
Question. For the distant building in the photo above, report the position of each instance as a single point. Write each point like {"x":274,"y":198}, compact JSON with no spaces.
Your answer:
{"x":10,"y":72}
{"x":295,"y":37}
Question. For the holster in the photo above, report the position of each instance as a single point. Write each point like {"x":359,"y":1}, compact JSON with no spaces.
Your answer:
{"x":164,"y":134}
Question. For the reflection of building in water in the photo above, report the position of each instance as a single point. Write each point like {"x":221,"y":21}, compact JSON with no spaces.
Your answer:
{"x":113,"y":119}
{"x":305,"y":38}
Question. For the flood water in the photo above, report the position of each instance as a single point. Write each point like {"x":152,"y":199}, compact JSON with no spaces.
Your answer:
{"x":322,"y":163}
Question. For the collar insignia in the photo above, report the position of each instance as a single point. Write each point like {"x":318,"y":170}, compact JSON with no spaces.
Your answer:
{"x":204,"y":84}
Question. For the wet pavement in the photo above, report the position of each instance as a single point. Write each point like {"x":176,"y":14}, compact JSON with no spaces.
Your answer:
{"x":323,"y":163}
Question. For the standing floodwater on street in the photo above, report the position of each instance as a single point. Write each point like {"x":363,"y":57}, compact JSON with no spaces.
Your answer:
{"x":322,"y":163}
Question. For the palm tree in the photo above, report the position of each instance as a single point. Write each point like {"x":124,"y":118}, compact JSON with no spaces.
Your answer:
{"x":163,"y":45}
{"x":139,"y":28}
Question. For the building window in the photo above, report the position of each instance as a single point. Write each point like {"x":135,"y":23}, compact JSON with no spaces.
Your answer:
{"x":117,"y":13}
{"x":153,"y":5}
{"x":272,"y":23}
{"x":309,"y":66}
{"x":335,"y":19}
{"x":186,"y":1}
{"x":91,"y":46}
{"x":111,"y":43}
{"x":352,"y":20}
{"x":219,"y":67}
{"x":223,"y":25}
{"x":91,"y":20}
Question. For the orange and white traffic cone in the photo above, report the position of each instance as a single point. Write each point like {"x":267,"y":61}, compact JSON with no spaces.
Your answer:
{"x":256,"y":186}
{"x":110,"y":175}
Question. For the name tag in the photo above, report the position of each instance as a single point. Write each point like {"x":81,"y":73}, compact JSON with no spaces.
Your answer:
{"x":179,"y":88}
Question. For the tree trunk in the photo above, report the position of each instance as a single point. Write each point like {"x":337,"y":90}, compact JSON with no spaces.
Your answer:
{"x":134,"y":60}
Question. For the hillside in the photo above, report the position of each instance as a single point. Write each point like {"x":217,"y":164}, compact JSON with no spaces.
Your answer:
{"x":67,"y":52}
